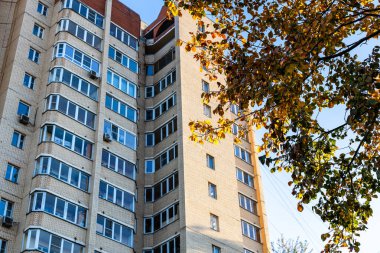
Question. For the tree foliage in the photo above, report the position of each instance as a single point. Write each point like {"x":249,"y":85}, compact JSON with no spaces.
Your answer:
{"x":285,"y":61}
{"x":283,"y":245}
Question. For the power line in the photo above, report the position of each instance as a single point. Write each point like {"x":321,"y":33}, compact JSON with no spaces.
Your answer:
{"x":287,"y":208}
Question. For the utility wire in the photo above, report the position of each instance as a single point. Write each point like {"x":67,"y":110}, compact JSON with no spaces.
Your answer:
{"x":288,"y":207}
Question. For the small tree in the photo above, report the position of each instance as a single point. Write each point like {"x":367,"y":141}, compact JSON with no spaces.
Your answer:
{"x":290,"y":246}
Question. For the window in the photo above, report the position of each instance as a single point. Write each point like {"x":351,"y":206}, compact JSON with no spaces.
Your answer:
{"x":121,"y":108}
{"x":121,"y":83}
{"x":152,"y":165}
{"x":65,"y":106}
{"x":117,"y":196}
{"x":236,"y":129}
{"x":3,"y":246}
{"x":114,"y":231}
{"x":235,"y":109}
{"x":81,"y":33}
{"x":64,"y":76}
{"x":40,"y":240}
{"x":244,"y":177}
{"x":23,"y":108}
{"x":172,"y":246}
{"x":212,"y":190}
{"x":6,"y":208}
{"x":149,"y":70}
{"x":38,"y":31}
{"x":42,"y":9}
{"x":66,"y":139}
{"x":49,"y":203}
{"x":123,"y":59}
{"x":157,"y":111}
{"x":242,"y":154}
{"x":12,"y":173}
{"x":64,"y":50}
{"x":34,"y":55}
{"x":123,"y":36}
{"x":216,"y":249}
{"x":18,"y":140}
{"x":118,"y":164}
{"x":29,"y":81}
{"x":207,"y":110}
{"x":164,"y":61}
{"x":120,"y":135}
{"x":214,"y":222}
{"x":205,"y":86}
{"x":210,"y":161}
{"x":250,"y":231}
{"x":201,"y":28}
{"x":161,"y":133}
{"x":248,"y":251}
{"x":46,"y":165}
{"x":248,"y":204}
{"x":162,"y":188}
{"x":83,"y":10}
{"x":166,"y":81}
{"x":161,"y":219}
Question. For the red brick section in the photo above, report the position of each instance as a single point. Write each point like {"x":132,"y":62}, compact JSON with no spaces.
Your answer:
{"x":161,"y":17}
{"x":121,"y":15}
{"x":126,"y":18}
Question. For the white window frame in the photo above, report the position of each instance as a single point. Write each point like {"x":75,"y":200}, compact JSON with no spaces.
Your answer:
{"x":14,"y":170}
{"x":114,"y":197}
{"x":212,"y":188}
{"x":38,"y":31}
{"x":8,"y":205}
{"x":65,"y":210}
{"x":35,"y":56}
{"x":242,"y":172}
{"x":59,"y":70}
{"x":214,"y":222}
{"x":31,"y":81}
{"x":26,"y":105}
{"x":20,"y":139}
{"x":43,"y":9}
{"x":250,"y":230}
{"x":207,"y":111}
{"x":39,"y":165}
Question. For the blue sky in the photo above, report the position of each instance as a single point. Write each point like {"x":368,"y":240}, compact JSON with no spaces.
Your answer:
{"x":283,"y":218}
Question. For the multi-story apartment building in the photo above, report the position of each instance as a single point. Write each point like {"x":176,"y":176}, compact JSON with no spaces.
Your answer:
{"x":94,"y":147}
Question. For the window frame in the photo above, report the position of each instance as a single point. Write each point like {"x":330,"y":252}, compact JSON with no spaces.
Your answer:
{"x":214,"y":222}
{"x":38,"y":31}
{"x":212,"y":190}
{"x":31,"y":81}
{"x":43,"y":9}
{"x":35,"y":57}
{"x":207,"y":110}
{"x":20,"y":140}
{"x":244,"y":175}
{"x":42,"y":207}
{"x":27,"y":107}
{"x":210,"y":161}
{"x":8,"y":208}
{"x":12,"y":172}
{"x":251,"y":231}
{"x":47,"y":161}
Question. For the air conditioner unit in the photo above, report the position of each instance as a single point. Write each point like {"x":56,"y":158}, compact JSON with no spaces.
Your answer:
{"x":24,"y":119}
{"x":7,"y":222}
{"x":107,"y":137}
{"x":93,"y":74}
{"x":149,"y":42}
